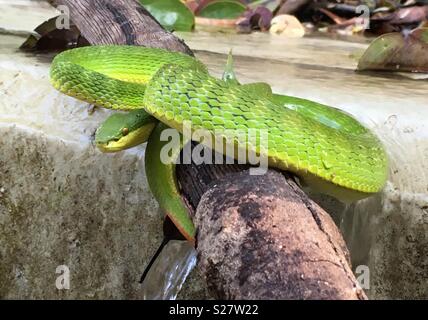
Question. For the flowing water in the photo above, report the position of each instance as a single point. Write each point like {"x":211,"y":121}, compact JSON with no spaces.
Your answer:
{"x":169,"y":272}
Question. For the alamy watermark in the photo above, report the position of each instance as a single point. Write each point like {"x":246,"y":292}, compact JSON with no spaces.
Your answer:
{"x":63,"y":20}
{"x":363,"y":20}
{"x":62,"y":282}
{"x":245,"y":146}
{"x":363,"y":276}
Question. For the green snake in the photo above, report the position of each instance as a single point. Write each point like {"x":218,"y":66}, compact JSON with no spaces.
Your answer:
{"x":327,"y":149}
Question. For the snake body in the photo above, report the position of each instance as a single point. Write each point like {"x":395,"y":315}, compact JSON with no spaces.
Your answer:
{"x":326,"y":148}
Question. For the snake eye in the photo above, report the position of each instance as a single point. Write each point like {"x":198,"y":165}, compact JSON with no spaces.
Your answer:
{"x":125,"y":131}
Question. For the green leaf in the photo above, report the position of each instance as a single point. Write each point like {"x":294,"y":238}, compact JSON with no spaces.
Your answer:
{"x":397,"y":52}
{"x":171,"y":14}
{"x":272,"y":5}
{"x":223,"y":9}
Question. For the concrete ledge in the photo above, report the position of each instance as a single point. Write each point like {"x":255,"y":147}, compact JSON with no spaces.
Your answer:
{"x":64,"y":202}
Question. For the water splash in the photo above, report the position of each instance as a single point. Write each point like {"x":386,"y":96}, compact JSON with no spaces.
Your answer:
{"x":169,"y":272}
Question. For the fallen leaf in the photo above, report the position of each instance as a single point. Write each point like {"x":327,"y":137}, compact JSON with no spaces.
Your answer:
{"x":408,"y":15}
{"x":287,"y":25}
{"x":272,"y":5}
{"x":259,"y":18}
{"x":397,"y":52}
{"x":203,"y":3}
{"x":171,"y":14}
{"x":222,"y":9}
{"x":47,"y":38}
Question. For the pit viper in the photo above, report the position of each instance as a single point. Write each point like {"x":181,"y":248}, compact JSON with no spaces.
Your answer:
{"x":327,"y":149}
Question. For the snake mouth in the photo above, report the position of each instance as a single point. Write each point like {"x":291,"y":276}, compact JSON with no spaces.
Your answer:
{"x":108,"y":147}
{"x":130,"y":140}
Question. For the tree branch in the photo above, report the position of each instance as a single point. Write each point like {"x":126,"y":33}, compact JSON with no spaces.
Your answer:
{"x":121,"y":22}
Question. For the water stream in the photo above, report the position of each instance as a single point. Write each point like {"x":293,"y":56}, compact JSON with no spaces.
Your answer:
{"x":169,"y":272}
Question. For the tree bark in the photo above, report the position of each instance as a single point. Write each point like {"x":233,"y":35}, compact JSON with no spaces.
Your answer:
{"x":259,"y":236}
{"x":121,"y":22}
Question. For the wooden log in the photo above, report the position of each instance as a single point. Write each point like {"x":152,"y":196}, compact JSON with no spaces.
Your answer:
{"x":121,"y":22}
{"x":259,"y":236}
